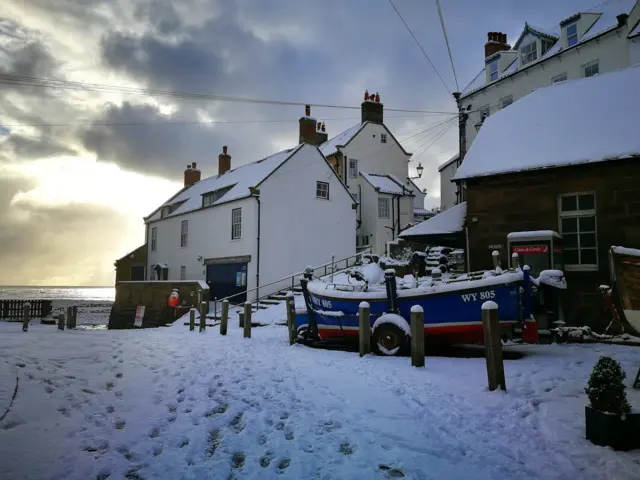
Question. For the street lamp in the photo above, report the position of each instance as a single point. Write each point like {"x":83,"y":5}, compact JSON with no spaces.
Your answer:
{"x":419,"y":169}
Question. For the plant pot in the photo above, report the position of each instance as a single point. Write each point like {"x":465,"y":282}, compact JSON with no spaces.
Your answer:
{"x":609,"y":430}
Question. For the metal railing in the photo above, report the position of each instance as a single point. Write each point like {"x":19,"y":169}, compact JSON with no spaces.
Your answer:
{"x":331,"y":267}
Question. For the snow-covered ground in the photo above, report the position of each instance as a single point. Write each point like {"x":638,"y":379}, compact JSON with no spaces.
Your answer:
{"x":174,"y":404}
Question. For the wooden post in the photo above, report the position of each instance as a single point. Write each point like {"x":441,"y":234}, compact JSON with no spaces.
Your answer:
{"x":61,"y":321}
{"x":290,"y":304}
{"x":224,"y":319}
{"x":203,"y":316}
{"x":241,"y":319}
{"x":74,"y":311}
{"x":364,"y":330}
{"x":247,"y":320}
{"x":69,"y":317}
{"x":26,"y":314}
{"x":417,"y":336}
{"x":496,"y":258}
{"x":192,"y":319}
{"x":493,"y":346}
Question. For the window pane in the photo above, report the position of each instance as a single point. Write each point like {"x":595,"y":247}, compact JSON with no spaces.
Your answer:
{"x":570,"y":257}
{"x":586,"y":202}
{"x":587,"y":240}
{"x":569,"y":225}
{"x":587,"y":224}
{"x":570,"y":240}
{"x":569,"y":204}
{"x":588,"y":256}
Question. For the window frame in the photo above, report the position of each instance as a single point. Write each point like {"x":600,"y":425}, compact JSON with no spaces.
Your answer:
{"x":493,"y":70}
{"x":383,"y":138}
{"x":183,"y":272}
{"x":381,"y":201}
{"x":594,"y":63}
{"x":319,"y":190}
{"x":533,"y":50}
{"x":545,"y":43}
{"x":573,"y":35}
{"x":577,"y":214}
{"x":154,"y":239}
{"x":184,"y":234}
{"x":503,"y":99}
{"x":561,"y":77}
{"x":353,"y":168}
{"x":484,"y":111}
{"x":236,"y":223}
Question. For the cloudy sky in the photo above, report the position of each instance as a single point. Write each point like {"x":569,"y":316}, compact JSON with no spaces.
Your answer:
{"x":79,"y":168}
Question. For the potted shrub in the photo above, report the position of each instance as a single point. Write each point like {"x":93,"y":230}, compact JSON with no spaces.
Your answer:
{"x":609,"y":420}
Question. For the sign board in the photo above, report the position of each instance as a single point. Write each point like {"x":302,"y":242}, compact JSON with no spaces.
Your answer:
{"x":529,"y":249}
{"x":139,"y":316}
{"x":495,"y":247}
{"x":238,"y":279}
{"x":244,"y":279}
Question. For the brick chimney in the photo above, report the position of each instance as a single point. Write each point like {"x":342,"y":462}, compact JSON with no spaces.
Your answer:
{"x":224,"y":161}
{"x":372,"y":109}
{"x":191,"y":175}
{"x":496,"y":42}
{"x":308,"y":127}
{"x":321,"y":134}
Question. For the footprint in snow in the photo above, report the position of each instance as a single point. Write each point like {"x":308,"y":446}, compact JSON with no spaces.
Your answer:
{"x":119,"y":375}
{"x":237,"y":461}
{"x":288,"y":435}
{"x":109,"y":386}
{"x":110,"y":409}
{"x":283,"y":464}
{"x":120,"y":424}
{"x":154,"y":433}
{"x":346,"y":449}
{"x":157,"y":451}
{"x":237,"y":424}
{"x":20,"y":364}
{"x":266,"y":459}
{"x":391,"y":472}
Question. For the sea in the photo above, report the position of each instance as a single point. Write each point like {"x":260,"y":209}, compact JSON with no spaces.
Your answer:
{"x":94,"y":303}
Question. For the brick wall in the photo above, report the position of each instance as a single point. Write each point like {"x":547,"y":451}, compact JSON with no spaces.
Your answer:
{"x":529,"y":201}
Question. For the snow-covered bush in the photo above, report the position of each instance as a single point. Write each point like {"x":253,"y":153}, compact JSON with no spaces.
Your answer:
{"x":606,"y":388}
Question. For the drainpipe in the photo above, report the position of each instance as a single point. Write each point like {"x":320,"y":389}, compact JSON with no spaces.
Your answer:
{"x":393,"y":221}
{"x":359,"y":206}
{"x":255,"y":193}
{"x":468,"y":252}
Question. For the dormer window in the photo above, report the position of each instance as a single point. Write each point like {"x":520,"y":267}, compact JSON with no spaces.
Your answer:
{"x":572,"y":35}
{"x":529,"y":53}
{"x":493,"y":70}
{"x":546,"y":45}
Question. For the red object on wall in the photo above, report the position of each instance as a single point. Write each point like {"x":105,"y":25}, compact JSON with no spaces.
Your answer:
{"x":174,"y":299}
{"x":529,"y":249}
{"x":530,"y":333}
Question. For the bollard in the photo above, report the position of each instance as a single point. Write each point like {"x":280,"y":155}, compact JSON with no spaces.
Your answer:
{"x":247,"y":320}
{"x":69,"y":317}
{"x":515,"y":261}
{"x":493,"y":346}
{"x":26,"y":313}
{"x":61,"y":321}
{"x":364,"y":329}
{"x":74,"y":311}
{"x":224,"y":319}
{"x":203,"y":316}
{"x":417,"y":336}
{"x":192,"y":319}
{"x":496,"y":258}
{"x":290,"y":304}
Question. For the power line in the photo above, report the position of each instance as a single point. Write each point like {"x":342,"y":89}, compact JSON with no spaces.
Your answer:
{"x":446,"y":39}
{"x":420,"y":46}
{"x":103,"y":88}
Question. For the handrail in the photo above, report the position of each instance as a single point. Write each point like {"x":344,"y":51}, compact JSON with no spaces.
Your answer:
{"x":292,"y":277}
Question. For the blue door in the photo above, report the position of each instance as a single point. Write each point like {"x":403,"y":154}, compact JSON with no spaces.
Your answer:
{"x":227,"y":279}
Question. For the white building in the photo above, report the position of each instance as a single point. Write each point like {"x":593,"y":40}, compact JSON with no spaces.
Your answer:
{"x":254,"y":224}
{"x":585,"y":44}
{"x":375,"y":168}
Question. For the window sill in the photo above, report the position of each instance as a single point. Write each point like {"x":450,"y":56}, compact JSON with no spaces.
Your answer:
{"x":323,"y":199}
{"x":236,"y":239}
{"x":581,"y":268}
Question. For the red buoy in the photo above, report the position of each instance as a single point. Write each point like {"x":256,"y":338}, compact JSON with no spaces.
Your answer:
{"x":174,"y":298}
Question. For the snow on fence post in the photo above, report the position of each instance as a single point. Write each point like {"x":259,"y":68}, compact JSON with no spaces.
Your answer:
{"x":493,"y":346}
{"x":290,"y":304}
{"x":69,"y":317}
{"x":417,"y":336}
{"x":61,"y":321}
{"x":247,"y":320}
{"x":224,"y":318}
{"x":496,"y":258}
{"x":192,"y":319}
{"x":26,"y":313}
{"x":364,"y":331}
{"x":515,"y":260}
{"x":203,"y":316}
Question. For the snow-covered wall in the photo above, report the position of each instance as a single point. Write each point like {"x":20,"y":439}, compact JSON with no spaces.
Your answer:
{"x":634,"y":50}
{"x":447,"y":187}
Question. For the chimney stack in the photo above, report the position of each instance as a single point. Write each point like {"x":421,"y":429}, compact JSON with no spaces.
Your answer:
{"x":307,"y":127}
{"x":224,"y":161}
{"x":191,"y":175}
{"x":496,"y":42}
{"x":321,"y":134}
{"x":372,"y":109}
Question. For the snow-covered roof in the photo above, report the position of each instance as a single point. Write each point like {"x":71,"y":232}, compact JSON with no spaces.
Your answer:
{"x":449,"y":221}
{"x":387,"y":184}
{"x":239,"y":179}
{"x":420,"y":211}
{"x":532,"y":234}
{"x":607,"y":21}
{"x":581,"y":121}
{"x":632,"y":252}
{"x":528,"y":28}
{"x":330,"y":147}
{"x":449,"y":162}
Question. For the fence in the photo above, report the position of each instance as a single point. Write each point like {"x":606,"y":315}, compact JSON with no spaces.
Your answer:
{"x":12,"y":309}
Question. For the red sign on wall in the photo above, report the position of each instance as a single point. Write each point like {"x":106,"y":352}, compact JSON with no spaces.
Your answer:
{"x":530,"y":249}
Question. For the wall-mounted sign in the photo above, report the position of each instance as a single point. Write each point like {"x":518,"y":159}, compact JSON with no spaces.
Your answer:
{"x":244,"y":279}
{"x":137,"y":322}
{"x":530,"y":249}
{"x":497,"y":246}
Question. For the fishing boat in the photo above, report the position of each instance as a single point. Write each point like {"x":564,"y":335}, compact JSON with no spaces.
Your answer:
{"x":625,"y":264}
{"x":451,"y":305}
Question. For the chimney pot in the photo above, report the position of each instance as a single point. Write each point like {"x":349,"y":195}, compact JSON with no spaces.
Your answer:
{"x":372,"y":109}
{"x":377,"y":97}
{"x":191,"y":175}
{"x":366,"y":95}
{"x":323,"y":127}
{"x":622,"y":19}
{"x":224,"y":149}
{"x":193,"y":165}
{"x":307,"y":110}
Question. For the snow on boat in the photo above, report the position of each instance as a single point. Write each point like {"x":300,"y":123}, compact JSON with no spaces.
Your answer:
{"x":452,"y":312}
{"x":626,"y":271}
